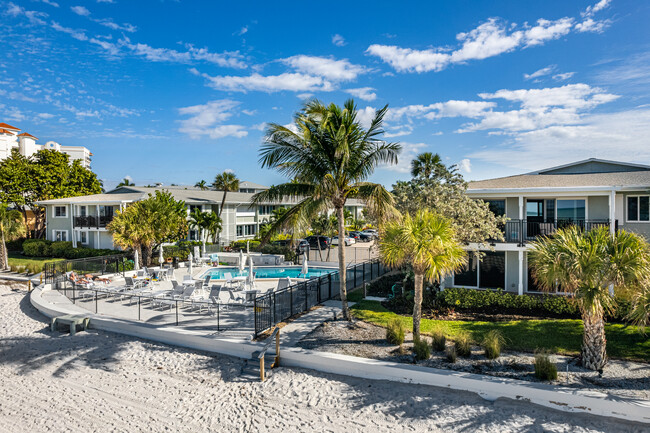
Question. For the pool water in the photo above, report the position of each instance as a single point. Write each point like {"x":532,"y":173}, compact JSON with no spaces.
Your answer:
{"x":269,"y":272}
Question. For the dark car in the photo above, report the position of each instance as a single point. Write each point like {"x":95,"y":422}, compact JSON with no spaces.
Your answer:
{"x":316,"y":242}
{"x":355,"y":236}
{"x":282,"y":242}
{"x":361,"y":237}
{"x":303,"y":247}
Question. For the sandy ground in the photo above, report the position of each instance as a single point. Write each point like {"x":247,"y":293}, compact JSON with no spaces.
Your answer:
{"x":97,"y":381}
{"x":621,"y":378}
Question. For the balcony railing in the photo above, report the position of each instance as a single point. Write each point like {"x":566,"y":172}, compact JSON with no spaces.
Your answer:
{"x":92,"y":221}
{"x":523,"y":231}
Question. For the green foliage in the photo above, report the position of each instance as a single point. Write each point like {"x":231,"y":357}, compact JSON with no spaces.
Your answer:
{"x":241,"y":245}
{"x":493,"y":343}
{"x":395,"y":332}
{"x":463,"y":344}
{"x":382,"y":286}
{"x":15,"y":245}
{"x":545,"y":369}
{"x":438,"y":340}
{"x":64,"y":250}
{"x":59,"y":249}
{"x":12,"y":227}
{"x":421,"y":349}
{"x":450,"y":353}
{"x":288,"y":252}
{"x":36,"y":248}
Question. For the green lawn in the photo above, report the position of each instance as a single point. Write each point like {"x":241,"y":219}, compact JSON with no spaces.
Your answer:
{"x":33,"y":263}
{"x":562,"y":336}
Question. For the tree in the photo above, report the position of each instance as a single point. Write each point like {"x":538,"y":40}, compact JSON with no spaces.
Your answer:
{"x":428,"y":243}
{"x":202,"y":185}
{"x":128,"y":231}
{"x":426,"y":164}
{"x":329,"y":159}
{"x":17,"y":183}
{"x":125,"y":182}
{"x":444,"y":192}
{"x":226,"y":182}
{"x":208,"y":224}
{"x":11,"y":227}
{"x":586,"y":265}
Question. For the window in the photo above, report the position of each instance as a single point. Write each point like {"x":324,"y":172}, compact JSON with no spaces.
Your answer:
{"x":570,"y":210}
{"x":60,"y":211}
{"x":82,"y":211}
{"x":497,"y":207}
{"x":60,"y":235}
{"x":246,"y":230}
{"x":469,"y":276}
{"x":489,"y":273}
{"x":638,"y":208}
{"x":83,"y":237}
{"x":194,"y":206}
{"x":266,"y":209}
{"x":193,"y":235}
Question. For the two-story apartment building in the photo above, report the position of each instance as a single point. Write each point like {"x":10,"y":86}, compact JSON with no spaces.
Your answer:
{"x":83,"y":219}
{"x":587,"y":193}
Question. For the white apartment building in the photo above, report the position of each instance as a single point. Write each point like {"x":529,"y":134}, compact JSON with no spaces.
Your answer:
{"x":11,"y":138}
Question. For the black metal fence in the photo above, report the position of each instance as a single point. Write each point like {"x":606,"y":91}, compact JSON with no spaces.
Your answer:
{"x":55,"y":272}
{"x":276,"y":306}
{"x":523,"y":231}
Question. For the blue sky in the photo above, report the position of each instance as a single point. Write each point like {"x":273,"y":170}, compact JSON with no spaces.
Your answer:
{"x":177,"y":91}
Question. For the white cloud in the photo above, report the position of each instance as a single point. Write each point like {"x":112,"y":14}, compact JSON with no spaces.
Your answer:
{"x":207,"y":120}
{"x":294,"y":82}
{"x":489,"y":39}
{"x":589,"y":25}
{"x":76,"y":34}
{"x":465,"y":165}
{"x":401,"y":131}
{"x":365,"y":93}
{"x":452,"y":108}
{"x":80,"y":10}
{"x":305,"y":95}
{"x":338,"y":40}
{"x":243,"y":31}
{"x":591,"y":10}
{"x":540,"y":72}
{"x":563,"y":76}
{"x":326,"y":67}
{"x":125,"y":27}
{"x":365,"y":116}
{"x":34,"y":17}
{"x":227,"y":59}
{"x":50,"y":2}
{"x":408,"y":154}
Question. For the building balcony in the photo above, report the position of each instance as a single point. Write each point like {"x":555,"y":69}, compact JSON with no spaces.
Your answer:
{"x":91,"y":222}
{"x":524,"y":231}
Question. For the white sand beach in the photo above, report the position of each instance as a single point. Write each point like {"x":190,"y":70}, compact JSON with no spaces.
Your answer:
{"x":98,"y":381}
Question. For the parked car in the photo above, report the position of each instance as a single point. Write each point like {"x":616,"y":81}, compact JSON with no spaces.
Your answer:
{"x":322,"y":242}
{"x":303,"y":246}
{"x":282,"y":242}
{"x":361,"y":237}
{"x":372,"y":232}
{"x":348,"y":241}
{"x":355,"y":236}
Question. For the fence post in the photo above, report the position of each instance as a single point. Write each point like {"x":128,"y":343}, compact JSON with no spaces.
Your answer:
{"x":275,"y":314}
{"x":356,"y":268}
{"x":255,"y":315}
{"x":329,"y":283}
{"x":176,"y":313}
{"x":218,"y":319}
{"x":139,"y":298}
{"x":364,"y":272}
{"x":291,"y":301}
{"x":95,"y":301}
{"x":306,"y":296}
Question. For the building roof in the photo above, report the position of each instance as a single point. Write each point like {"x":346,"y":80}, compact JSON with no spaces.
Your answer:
{"x":7,"y":126}
{"x":251,"y":185}
{"x":606,"y":180}
{"x":25,"y":134}
{"x":593,"y":165}
{"x":105,"y":198}
{"x":4,"y":131}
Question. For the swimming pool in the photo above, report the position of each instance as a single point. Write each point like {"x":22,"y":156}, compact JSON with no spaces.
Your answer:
{"x":269,"y":272}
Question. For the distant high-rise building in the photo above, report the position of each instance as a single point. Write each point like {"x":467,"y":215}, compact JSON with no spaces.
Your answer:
{"x":11,"y":138}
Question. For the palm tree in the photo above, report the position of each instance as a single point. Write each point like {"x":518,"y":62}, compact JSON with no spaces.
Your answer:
{"x":11,"y":227}
{"x":426,"y":241}
{"x":125,"y":182}
{"x":202,"y":185}
{"x":426,"y":164}
{"x":128,"y":231}
{"x":586,"y":265}
{"x":226,"y":182}
{"x":208,"y":224}
{"x":328,"y":159}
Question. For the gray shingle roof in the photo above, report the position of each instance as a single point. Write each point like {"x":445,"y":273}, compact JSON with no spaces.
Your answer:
{"x":622,"y":179}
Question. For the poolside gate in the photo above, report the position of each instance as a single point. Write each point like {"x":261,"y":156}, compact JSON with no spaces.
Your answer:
{"x":276,"y":306}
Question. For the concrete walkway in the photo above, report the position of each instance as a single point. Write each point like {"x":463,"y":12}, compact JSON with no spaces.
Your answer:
{"x":295,"y":331}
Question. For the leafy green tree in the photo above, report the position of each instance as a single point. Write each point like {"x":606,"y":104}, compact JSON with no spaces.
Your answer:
{"x":443,"y":192}
{"x":202,"y":185}
{"x":125,"y":182}
{"x":329,"y":160}
{"x":428,"y":243}
{"x":128,"y":230}
{"x":426,"y":164}
{"x":11,"y":227}
{"x":586,"y":265}
{"x":17,"y":183}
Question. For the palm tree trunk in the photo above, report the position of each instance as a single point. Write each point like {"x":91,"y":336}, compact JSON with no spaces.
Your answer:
{"x":594,"y":356}
{"x":342,"y":266}
{"x":223,"y":203}
{"x":4,"y":259}
{"x":417,"y":305}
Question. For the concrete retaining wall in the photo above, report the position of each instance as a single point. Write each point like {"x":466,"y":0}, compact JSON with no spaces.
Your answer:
{"x":490,"y":388}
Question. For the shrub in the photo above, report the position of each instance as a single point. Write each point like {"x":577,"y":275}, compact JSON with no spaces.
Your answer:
{"x":60,"y":249}
{"x":463,"y":344}
{"x":493,"y":342}
{"x":36,"y":248}
{"x":288,"y":252}
{"x":421,"y":349}
{"x":438,"y":340}
{"x":382,"y":286}
{"x":241,"y":245}
{"x":395,"y":332}
{"x":545,"y":369}
{"x":451,"y":354}
{"x":16,"y":244}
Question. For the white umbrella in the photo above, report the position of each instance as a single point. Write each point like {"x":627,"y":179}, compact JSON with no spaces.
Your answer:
{"x":305,"y":267}
{"x":248,"y":250}
{"x":250,"y":279}
{"x":136,"y":259}
{"x":161,"y":259}
{"x":190,"y":257}
{"x":242,"y":263}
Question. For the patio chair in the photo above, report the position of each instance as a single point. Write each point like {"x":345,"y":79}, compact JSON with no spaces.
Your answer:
{"x":210,"y":300}
{"x":235,"y":299}
{"x":172,"y":301}
{"x":206,"y":282}
{"x":170,"y":274}
{"x":187,"y":277}
{"x":283,"y":283}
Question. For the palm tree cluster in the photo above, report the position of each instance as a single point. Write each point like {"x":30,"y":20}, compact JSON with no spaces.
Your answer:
{"x":208,"y":224}
{"x":328,"y":157}
{"x":11,"y":227}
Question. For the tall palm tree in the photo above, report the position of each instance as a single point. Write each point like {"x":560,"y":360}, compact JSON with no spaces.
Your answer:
{"x":125,"y":182}
{"x":202,"y":185}
{"x":329,"y":159}
{"x":226,"y":182}
{"x":129,"y":231}
{"x":426,"y":241}
{"x":211,"y":225}
{"x":426,"y":164}
{"x":586,"y":264}
{"x":11,"y":227}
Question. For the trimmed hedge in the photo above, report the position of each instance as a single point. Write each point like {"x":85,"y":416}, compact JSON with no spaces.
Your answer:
{"x":62,"y":250}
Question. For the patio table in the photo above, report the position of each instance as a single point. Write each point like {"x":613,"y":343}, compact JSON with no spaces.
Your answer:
{"x":71,"y":320}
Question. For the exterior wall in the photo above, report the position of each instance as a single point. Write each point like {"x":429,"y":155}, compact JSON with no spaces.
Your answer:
{"x":598,"y":207}
{"x":512,"y":271}
{"x":512,"y":207}
{"x":56,"y":223}
{"x":642,"y":228}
